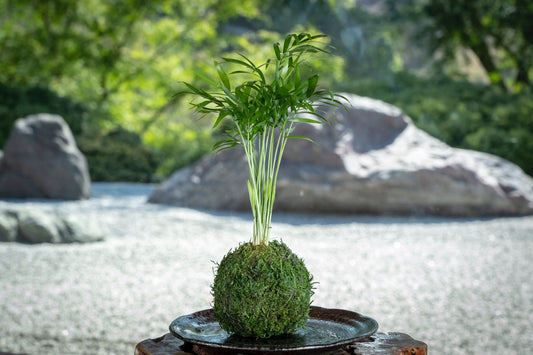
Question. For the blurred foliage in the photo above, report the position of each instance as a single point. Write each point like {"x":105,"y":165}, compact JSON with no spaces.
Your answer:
{"x":125,"y":59}
{"x":18,"y":102}
{"x":368,"y":42}
{"x":121,"y":58}
{"x":498,"y":32}
{"x":462,"y":114}
{"x":118,"y":155}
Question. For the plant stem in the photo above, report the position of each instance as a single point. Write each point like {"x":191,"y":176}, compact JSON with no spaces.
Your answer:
{"x":264,"y":163}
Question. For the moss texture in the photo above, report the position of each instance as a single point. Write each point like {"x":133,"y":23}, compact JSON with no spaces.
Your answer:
{"x":262,"y":291}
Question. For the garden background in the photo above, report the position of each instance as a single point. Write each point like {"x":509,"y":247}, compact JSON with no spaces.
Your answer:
{"x":461,"y":69}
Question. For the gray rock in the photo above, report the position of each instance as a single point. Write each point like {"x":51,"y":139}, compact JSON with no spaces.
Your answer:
{"x":41,"y":160}
{"x":213,"y":183}
{"x":74,"y":230}
{"x":38,"y":226}
{"x":370,"y":160}
{"x":8,"y":226}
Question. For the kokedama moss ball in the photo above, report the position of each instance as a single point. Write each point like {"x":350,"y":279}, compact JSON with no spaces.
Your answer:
{"x":262,"y":291}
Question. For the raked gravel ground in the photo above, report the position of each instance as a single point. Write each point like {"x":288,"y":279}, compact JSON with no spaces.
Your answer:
{"x":462,"y":286}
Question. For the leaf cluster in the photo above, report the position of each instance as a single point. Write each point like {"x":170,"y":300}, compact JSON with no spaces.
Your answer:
{"x":274,"y":92}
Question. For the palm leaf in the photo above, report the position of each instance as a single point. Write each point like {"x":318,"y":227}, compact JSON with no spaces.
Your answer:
{"x":223,"y":76}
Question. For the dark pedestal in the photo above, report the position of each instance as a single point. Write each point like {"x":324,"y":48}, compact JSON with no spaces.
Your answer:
{"x":378,"y":344}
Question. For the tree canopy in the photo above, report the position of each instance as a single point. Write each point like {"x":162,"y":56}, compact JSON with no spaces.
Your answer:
{"x":120,"y":62}
{"x":498,"y":32}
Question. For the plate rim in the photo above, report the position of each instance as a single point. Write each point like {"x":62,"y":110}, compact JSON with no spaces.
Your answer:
{"x":313,"y":309}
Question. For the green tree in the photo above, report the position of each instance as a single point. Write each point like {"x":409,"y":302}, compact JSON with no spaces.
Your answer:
{"x":120,"y":58}
{"x":367,"y":41}
{"x":497,"y":32}
{"x":92,"y":49}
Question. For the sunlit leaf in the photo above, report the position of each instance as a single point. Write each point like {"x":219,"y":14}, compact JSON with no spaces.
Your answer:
{"x":305,"y":120}
{"x":302,"y":137}
{"x":277,"y":51}
{"x":222,"y":75}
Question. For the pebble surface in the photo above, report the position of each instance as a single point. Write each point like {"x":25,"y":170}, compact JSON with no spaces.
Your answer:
{"x":463,"y":286}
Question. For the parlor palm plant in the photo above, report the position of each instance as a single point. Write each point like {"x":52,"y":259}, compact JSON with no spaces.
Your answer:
{"x":262,"y":289}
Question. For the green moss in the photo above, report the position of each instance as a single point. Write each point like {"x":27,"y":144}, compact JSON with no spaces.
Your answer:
{"x":262,"y":291}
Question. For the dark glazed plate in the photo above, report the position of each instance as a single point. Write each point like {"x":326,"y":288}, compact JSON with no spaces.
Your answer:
{"x":326,"y":329}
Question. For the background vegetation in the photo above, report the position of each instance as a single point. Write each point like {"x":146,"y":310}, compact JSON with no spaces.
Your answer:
{"x":461,"y":69}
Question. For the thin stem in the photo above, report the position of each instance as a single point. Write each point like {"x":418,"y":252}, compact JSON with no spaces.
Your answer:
{"x":253,"y":190}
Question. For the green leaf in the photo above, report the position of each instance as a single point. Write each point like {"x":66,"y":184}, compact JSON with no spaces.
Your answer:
{"x":306,"y":120}
{"x":254,"y":68}
{"x":223,"y":76}
{"x":302,"y":137}
{"x":240,"y":72}
{"x":276,"y":50}
{"x":315,"y":37}
{"x":206,"y":79}
{"x":225,"y":144}
{"x":311,"y":85}
{"x":287,"y":42}
{"x":203,"y":104}
{"x":303,"y":37}
{"x":230,"y":95}
{"x":240,"y":62}
{"x":201,"y":93}
{"x":297,"y":79}
{"x":283,"y":73}
{"x":219,"y":119}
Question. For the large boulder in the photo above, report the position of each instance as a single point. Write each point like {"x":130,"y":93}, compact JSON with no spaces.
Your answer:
{"x":41,"y":160}
{"x":370,"y":160}
{"x":35,"y":226}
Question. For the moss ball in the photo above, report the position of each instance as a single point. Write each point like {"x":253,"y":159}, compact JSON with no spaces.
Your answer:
{"x":262,"y":291}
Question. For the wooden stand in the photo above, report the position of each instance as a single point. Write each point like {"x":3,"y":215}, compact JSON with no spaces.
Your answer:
{"x":378,"y":344}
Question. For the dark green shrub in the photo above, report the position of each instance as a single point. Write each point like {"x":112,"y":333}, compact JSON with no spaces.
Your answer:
{"x":17,"y":102}
{"x":262,"y":291}
{"x":118,"y":155}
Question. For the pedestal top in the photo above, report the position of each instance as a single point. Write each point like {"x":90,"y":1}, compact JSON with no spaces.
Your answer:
{"x":378,"y":344}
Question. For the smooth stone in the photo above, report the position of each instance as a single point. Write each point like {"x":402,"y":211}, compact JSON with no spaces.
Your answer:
{"x":370,"y":159}
{"x":41,"y":160}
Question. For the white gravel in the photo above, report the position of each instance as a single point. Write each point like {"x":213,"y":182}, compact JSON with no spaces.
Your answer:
{"x":461,"y":286}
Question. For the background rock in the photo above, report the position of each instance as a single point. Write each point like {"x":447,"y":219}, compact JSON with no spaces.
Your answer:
{"x":213,"y":183}
{"x":370,"y":160}
{"x":36,"y":226}
{"x":41,"y":160}
{"x":8,"y":227}
{"x":75,"y":230}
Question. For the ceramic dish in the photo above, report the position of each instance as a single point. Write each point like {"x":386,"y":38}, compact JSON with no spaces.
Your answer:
{"x":326,"y":329}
